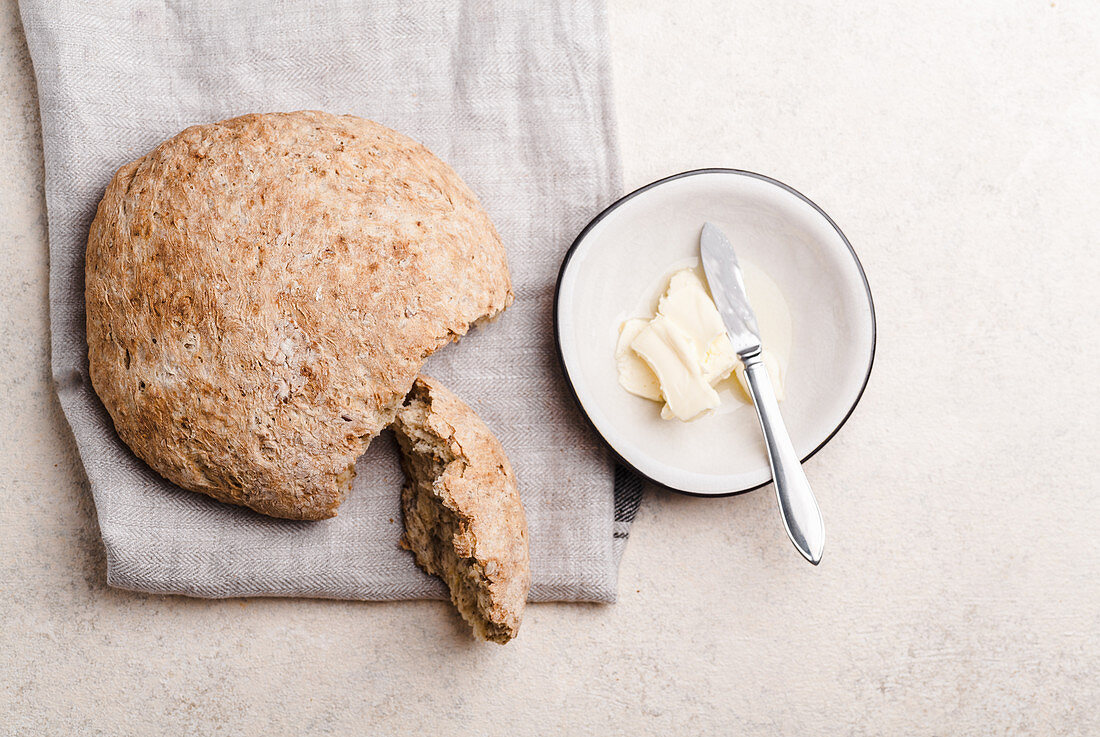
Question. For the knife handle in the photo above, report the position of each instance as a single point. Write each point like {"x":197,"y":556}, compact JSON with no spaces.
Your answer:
{"x":801,"y":515}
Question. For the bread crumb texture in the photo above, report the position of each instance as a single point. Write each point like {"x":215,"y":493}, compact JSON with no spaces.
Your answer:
{"x":261,"y":293}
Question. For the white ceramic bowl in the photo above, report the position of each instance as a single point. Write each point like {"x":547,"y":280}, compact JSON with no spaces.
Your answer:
{"x":631,"y":246}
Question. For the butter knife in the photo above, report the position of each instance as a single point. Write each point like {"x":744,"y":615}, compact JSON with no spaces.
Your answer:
{"x":801,"y":515}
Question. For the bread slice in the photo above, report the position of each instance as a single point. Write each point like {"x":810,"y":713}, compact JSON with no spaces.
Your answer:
{"x":464,"y":521}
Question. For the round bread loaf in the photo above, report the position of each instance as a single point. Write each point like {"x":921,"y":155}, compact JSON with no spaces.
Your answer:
{"x":262,"y":292}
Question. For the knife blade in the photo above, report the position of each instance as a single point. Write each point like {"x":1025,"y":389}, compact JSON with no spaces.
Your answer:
{"x":727,"y":287}
{"x":801,"y":515}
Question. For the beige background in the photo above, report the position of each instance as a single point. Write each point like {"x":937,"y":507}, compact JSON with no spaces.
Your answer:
{"x":956,"y":144}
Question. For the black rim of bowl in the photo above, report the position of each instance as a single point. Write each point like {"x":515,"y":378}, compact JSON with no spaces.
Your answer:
{"x":611,"y":208}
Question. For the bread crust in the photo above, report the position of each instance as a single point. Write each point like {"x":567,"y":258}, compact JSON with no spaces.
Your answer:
{"x":464,"y":520}
{"x":261,"y":293}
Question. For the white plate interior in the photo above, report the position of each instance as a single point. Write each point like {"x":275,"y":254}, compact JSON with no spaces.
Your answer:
{"x":636,"y":243}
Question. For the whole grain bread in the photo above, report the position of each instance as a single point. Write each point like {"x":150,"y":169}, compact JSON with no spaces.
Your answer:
{"x":464,"y":521}
{"x":261,"y":293}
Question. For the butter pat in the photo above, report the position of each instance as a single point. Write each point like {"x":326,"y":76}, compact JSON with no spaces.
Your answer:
{"x":688,"y":306}
{"x":682,"y":353}
{"x":684,"y":350}
{"x":675,"y":360}
{"x":634,"y":373}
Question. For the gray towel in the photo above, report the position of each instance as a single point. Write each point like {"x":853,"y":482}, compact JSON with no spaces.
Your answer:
{"x":515,"y":96}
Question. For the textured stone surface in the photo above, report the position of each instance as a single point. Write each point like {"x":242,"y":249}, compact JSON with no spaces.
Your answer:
{"x":960,"y":590}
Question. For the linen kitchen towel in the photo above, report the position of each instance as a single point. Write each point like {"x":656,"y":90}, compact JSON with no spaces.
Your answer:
{"x":515,"y":96}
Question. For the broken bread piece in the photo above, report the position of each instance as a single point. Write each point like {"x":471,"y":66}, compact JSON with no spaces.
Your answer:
{"x":464,"y":521}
